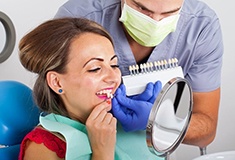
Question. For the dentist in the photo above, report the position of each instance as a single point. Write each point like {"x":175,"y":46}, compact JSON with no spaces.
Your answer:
{"x":151,"y":30}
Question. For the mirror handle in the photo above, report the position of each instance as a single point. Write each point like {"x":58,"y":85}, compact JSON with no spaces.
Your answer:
{"x":203,"y":151}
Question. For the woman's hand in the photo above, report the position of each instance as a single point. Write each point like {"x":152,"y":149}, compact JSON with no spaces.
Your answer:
{"x":101,"y":127}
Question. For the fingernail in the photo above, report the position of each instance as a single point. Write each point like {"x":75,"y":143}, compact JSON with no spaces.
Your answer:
{"x":108,"y":101}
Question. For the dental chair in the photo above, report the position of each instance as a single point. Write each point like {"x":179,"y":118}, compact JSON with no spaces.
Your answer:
{"x":18,"y":115}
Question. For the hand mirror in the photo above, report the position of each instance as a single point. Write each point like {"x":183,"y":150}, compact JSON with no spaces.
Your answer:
{"x":169,"y":117}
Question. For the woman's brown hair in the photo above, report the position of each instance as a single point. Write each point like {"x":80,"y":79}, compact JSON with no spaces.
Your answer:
{"x":46,"y":48}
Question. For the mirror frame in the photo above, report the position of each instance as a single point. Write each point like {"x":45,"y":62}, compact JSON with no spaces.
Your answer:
{"x":156,"y":105}
{"x":10,"y":37}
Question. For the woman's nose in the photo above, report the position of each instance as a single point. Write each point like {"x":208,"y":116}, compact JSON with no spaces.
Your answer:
{"x":113,"y":75}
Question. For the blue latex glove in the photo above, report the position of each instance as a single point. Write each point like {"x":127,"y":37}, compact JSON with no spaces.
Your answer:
{"x":150,"y":93}
{"x":133,"y":112}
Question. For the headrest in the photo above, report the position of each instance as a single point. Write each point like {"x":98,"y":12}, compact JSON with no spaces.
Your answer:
{"x":18,"y":112}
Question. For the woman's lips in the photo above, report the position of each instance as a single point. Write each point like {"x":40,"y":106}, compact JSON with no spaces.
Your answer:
{"x":105,"y":94}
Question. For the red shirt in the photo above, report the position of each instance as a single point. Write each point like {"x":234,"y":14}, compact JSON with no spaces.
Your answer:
{"x":51,"y":141}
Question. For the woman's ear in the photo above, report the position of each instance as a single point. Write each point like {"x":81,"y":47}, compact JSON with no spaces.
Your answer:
{"x":53,"y":80}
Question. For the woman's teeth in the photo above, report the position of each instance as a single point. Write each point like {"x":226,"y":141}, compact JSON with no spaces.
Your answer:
{"x":107,"y":93}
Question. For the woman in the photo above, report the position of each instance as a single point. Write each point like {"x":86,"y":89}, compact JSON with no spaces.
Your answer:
{"x":77,"y":75}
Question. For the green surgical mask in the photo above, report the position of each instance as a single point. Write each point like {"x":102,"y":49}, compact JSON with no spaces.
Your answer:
{"x":145,"y":30}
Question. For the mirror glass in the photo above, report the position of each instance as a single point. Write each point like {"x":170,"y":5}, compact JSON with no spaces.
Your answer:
{"x":3,"y":37}
{"x":169,"y":117}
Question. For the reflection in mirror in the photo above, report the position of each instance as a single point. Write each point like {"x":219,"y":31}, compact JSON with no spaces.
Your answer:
{"x":3,"y":37}
{"x":169,"y":117}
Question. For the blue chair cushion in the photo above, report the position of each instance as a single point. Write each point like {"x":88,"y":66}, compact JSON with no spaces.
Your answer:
{"x":18,"y":112}
{"x":10,"y":153}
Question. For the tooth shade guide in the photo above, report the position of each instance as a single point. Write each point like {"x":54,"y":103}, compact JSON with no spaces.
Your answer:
{"x":165,"y":64}
{"x":153,"y":66}
{"x":162,"y":70}
{"x":109,"y":95}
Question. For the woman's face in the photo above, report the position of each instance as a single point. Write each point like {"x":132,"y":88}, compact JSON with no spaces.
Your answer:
{"x":92,"y":74}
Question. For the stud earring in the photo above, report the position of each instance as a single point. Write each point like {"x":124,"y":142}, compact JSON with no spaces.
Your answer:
{"x":60,"y":90}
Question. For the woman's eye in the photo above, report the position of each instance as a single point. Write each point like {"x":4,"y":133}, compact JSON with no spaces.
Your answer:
{"x":99,"y":68}
{"x":115,"y":66}
{"x":94,"y":70}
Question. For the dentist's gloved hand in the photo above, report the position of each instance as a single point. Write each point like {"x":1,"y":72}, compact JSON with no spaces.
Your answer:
{"x":133,"y":112}
{"x":150,"y":93}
